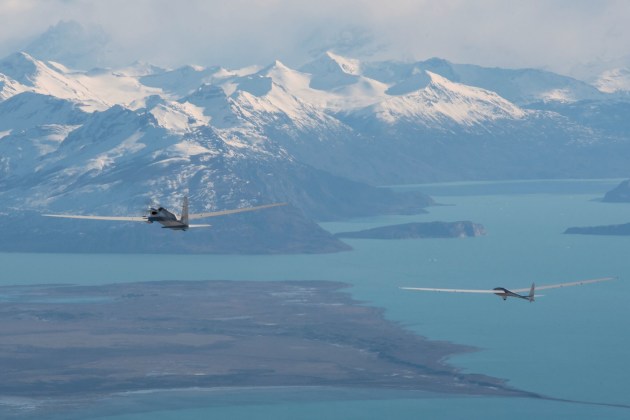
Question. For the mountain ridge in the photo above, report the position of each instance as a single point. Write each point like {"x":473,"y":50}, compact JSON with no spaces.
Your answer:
{"x":105,"y":141}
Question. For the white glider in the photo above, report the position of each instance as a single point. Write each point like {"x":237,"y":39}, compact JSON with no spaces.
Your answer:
{"x":505,"y":293}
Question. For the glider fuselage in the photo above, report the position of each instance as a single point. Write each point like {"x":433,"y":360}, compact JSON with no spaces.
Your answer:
{"x":167,"y":219}
{"x":504,"y":293}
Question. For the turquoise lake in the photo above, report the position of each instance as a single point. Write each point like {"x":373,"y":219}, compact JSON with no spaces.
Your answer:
{"x":571,"y":344}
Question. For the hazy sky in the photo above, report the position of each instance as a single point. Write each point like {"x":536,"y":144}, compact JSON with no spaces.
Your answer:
{"x":557,"y":35}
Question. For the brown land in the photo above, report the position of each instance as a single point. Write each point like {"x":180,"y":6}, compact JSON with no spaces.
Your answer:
{"x":95,"y":340}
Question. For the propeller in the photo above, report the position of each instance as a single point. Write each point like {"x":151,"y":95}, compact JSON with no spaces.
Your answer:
{"x":152,"y":206}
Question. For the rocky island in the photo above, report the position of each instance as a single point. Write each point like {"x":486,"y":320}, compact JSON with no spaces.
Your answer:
{"x":619,"y":194}
{"x":419,"y":230}
{"x":612,"y":230}
{"x":94,"y":341}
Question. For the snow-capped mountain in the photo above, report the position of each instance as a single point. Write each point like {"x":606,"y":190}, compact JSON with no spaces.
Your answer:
{"x":443,"y":103}
{"x":36,"y":76}
{"x":56,"y":155}
{"x":9,"y":87}
{"x":96,"y":90}
{"x":108,"y":141}
{"x":332,"y":113}
{"x":521,"y":86}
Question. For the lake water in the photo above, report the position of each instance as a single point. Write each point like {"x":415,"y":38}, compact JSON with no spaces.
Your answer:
{"x":571,"y":344}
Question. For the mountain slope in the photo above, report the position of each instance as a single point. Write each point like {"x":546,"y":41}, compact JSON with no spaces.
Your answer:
{"x":110,"y":141}
{"x":521,"y":86}
{"x":74,"y":45}
{"x":443,"y":102}
{"x":119,"y":160}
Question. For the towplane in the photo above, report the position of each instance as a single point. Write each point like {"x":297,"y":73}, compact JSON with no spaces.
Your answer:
{"x":167,"y":219}
{"x":504,"y":293}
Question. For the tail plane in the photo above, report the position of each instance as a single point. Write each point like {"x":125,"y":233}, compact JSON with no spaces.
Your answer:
{"x":184,"y":218}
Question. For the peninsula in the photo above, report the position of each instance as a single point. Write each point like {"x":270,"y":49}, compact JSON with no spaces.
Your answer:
{"x":95,"y":341}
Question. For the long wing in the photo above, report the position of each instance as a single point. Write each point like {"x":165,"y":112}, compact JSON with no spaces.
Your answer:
{"x":573,"y":283}
{"x":115,"y":218}
{"x":194,"y":216}
{"x":428,"y":289}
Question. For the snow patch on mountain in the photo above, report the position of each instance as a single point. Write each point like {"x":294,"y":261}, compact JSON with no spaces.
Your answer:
{"x":332,"y":71}
{"x":214,"y":105}
{"x":189,"y":148}
{"x":55,"y":134}
{"x":612,"y":81}
{"x":9,"y":87}
{"x":130,"y":145}
{"x":558,"y":95}
{"x":114,"y":87}
{"x":176,"y":117}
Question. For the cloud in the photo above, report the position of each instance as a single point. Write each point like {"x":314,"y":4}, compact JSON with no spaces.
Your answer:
{"x":555,"y":34}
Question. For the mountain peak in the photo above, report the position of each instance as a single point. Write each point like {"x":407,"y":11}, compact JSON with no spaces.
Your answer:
{"x":443,"y":84}
{"x":9,"y":87}
{"x":21,"y":67}
{"x":330,"y":62}
{"x":277,"y":64}
{"x":275,"y":69}
{"x":439,"y":66}
{"x":347,"y":65}
{"x":331,"y":70}
{"x":72,"y":44}
{"x":437,"y":62}
{"x":437,"y":79}
{"x":141,"y":68}
{"x":443,"y":100}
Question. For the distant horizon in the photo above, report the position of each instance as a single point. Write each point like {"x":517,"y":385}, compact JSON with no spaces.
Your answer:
{"x":579,"y":39}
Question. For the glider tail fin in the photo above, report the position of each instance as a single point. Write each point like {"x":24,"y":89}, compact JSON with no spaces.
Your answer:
{"x":184,"y":218}
{"x":531,"y":293}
